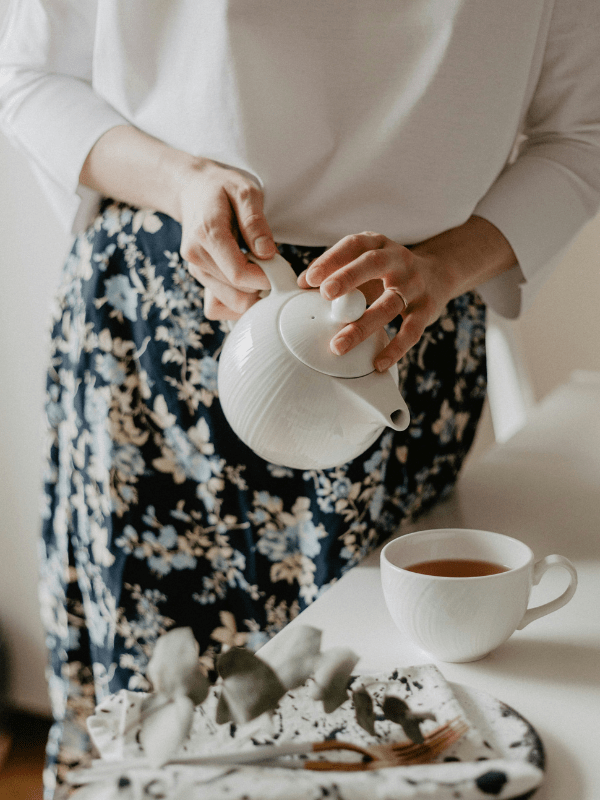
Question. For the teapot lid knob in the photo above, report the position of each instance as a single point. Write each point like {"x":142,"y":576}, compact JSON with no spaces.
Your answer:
{"x":349,"y":307}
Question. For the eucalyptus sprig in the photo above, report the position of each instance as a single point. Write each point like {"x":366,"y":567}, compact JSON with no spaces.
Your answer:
{"x":251,"y":685}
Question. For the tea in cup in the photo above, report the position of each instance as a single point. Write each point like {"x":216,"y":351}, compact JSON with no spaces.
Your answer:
{"x":458,"y":594}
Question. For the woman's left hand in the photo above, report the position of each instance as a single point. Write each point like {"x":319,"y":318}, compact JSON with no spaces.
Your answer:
{"x":394,"y":279}
{"x":417,"y":283}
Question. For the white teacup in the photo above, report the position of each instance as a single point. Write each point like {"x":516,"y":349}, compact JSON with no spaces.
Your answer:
{"x":464,"y":618}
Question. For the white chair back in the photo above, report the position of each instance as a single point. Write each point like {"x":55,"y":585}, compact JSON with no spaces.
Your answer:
{"x":510,"y":391}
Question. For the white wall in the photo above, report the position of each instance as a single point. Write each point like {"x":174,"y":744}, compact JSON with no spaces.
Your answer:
{"x":562,"y":330}
{"x":31,"y":251}
{"x":560,"y":333}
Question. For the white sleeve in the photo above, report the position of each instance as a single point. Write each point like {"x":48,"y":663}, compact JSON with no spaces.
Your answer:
{"x":48,"y":108}
{"x":552,"y":189}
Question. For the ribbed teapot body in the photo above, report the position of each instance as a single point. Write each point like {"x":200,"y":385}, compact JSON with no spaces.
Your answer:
{"x":286,"y":412}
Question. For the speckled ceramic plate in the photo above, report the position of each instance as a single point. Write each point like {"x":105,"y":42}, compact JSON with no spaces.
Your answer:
{"x":500,"y":755}
{"x":504,"y":727}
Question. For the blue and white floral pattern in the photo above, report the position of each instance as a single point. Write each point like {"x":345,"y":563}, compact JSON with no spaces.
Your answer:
{"x":157,"y":515}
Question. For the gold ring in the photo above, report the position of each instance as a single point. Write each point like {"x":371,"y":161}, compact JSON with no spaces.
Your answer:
{"x":401,"y":296}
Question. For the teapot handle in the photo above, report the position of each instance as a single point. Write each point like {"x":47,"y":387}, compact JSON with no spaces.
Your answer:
{"x":279,"y":272}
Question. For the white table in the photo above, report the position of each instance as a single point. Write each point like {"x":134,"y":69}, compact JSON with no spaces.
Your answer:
{"x":542,"y":486}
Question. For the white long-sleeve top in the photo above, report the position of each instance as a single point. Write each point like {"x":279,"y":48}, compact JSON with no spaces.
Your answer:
{"x":398,"y":116}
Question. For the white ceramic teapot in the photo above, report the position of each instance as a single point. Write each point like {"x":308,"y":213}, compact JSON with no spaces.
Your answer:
{"x":287,"y":395}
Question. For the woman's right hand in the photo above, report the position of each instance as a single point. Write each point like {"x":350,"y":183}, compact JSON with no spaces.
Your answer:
{"x":213,"y":203}
{"x":216,"y":204}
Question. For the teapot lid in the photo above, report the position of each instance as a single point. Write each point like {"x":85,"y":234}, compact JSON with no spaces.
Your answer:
{"x":308,"y":322}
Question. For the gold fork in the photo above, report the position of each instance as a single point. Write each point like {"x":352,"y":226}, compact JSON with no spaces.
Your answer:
{"x":394,"y":754}
{"x":374,"y":756}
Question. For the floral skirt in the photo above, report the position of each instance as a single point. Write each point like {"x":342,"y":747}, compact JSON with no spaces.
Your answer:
{"x":158,"y":516}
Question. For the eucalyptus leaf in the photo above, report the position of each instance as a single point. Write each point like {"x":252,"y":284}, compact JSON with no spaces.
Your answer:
{"x":364,"y":710}
{"x":396,"y":710}
{"x":173,"y":668}
{"x":332,"y":676}
{"x":295,"y":659}
{"x":166,"y":728}
{"x":197,"y":686}
{"x":250,"y":686}
{"x":223,"y":712}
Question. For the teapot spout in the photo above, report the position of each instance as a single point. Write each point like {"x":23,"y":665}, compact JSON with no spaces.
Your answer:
{"x":378,"y":398}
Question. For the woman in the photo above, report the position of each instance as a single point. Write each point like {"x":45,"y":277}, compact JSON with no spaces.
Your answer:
{"x":439,"y":156}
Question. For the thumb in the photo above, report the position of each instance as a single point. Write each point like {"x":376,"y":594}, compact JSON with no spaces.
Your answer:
{"x":263,"y":246}
{"x":253,"y":225}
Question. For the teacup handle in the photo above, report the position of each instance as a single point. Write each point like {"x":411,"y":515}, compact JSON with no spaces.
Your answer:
{"x":539,"y":569}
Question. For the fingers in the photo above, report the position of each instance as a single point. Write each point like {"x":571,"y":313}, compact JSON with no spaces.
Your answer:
{"x":400,"y":284}
{"x":247,"y":202}
{"x":411,"y":330}
{"x":218,"y":206}
{"x":215,"y":309}
{"x":418,"y":316}
{"x":221,"y":300}
{"x":342,"y":253}
{"x":362,"y":260}
{"x":383,"y":310}
{"x":377,"y":316}
{"x":210,"y":244}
